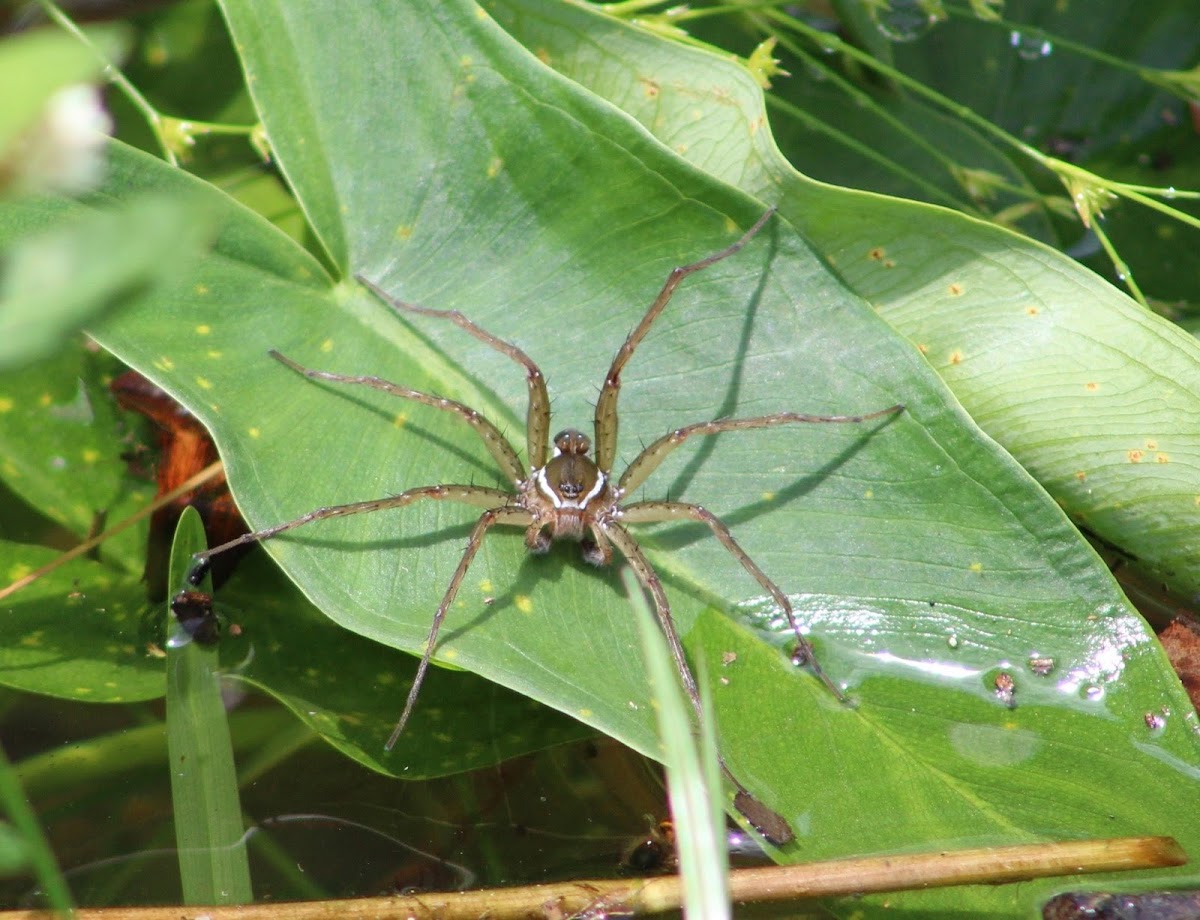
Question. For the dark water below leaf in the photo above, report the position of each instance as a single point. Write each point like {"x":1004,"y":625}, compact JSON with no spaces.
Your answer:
{"x":321,"y":826}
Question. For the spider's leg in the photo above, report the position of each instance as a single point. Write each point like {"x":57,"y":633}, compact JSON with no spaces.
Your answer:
{"x":469,"y":495}
{"x":492,"y":516}
{"x":624,"y":541}
{"x":770,"y":824}
{"x":647,"y":512}
{"x":648,"y":460}
{"x":537,"y":419}
{"x":606,"y":405}
{"x":498,"y":445}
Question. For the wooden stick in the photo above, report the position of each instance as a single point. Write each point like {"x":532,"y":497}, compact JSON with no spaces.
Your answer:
{"x":834,"y":878}
{"x":210,"y":471}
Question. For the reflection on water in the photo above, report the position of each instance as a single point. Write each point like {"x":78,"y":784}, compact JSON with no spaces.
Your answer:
{"x":320,"y":826}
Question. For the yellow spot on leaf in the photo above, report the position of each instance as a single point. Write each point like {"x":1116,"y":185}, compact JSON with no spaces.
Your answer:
{"x":889,"y":263}
{"x":400,"y":420}
{"x":956,"y":290}
{"x":524,"y":603}
{"x":404,"y":232}
{"x":1135,"y":456}
{"x":876,"y":254}
{"x":213,"y":353}
{"x":486,"y":586}
{"x":90,"y":455}
{"x":494,"y":166}
{"x":201,"y":289}
{"x":1162,"y":458}
{"x":164,"y":363}
{"x":649,"y":87}
{"x":254,"y":432}
{"x":870,"y":493}
{"x":45,"y":400}
{"x":1091,"y":387}
{"x":768,"y":496}
{"x":33,"y":640}
{"x":83,"y":691}
{"x":544,"y":56}
{"x":385,"y":678}
{"x":956,"y":356}
{"x":327,"y":346}
{"x":1151,"y":445}
{"x":20,"y":570}
{"x":203,"y":329}
{"x":923,"y":348}
{"x":6,"y":404}
{"x":1081,"y":475}
{"x":976,"y":566}
{"x":1032,"y":311}
{"x":204,"y":383}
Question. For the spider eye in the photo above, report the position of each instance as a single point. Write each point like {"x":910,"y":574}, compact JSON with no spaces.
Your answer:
{"x":572,"y":442}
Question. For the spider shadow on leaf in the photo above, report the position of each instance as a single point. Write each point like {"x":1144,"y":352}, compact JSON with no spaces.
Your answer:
{"x":680,"y":536}
{"x":733,"y":389}
{"x":484,"y":470}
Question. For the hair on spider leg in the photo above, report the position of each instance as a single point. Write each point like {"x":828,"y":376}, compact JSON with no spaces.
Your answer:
{"x":570,"y":494}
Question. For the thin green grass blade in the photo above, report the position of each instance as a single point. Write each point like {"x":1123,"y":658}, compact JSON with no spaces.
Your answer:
{"x":204,"y":788}
{"x":693,"y":781}
{"x":37,"y":853}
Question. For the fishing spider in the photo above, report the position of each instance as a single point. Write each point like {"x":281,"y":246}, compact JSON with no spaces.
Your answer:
{"x":570,"y":496}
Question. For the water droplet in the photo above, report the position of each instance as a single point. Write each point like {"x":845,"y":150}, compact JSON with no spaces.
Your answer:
{"x":1005,"y":689}
{"x":1030,"y":47}
{"x":1170,"y":192}
{"x":952,"y":641}
{"x":1093,"y":693}
{"x":1041,"y":665}
{"x":904,"y":20}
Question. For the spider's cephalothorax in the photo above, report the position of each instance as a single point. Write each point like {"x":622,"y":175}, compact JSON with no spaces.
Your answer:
{"x":571,"y":495}
{"x":566,"y":497}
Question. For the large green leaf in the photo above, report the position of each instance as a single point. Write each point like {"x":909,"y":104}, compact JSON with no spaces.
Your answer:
{"x":925,"y":561}
{"x":1093,"y":395}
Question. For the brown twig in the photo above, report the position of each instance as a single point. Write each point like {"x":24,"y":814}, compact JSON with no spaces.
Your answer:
{"x":834,"y":878}
{"x":87,"y":546}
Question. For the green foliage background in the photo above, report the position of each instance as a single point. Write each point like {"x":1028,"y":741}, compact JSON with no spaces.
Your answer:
{"x":541,"y":167}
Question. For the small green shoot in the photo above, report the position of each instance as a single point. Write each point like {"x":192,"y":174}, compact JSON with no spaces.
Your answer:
{"x":209,"y":832}
{"x":693,"y":781}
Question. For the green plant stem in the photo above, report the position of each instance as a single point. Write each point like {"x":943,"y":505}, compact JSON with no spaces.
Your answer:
{"x":12,"y":798}
{"x":209,"y":831}
{"x":114,"y":74}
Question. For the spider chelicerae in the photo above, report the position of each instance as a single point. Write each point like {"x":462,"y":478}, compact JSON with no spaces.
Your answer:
{"x":569,"y":495}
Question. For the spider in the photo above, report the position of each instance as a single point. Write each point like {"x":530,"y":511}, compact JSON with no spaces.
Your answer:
{"x":571,"y":495}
